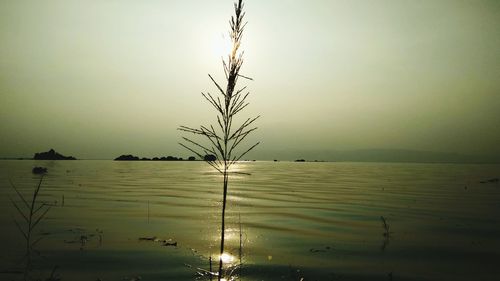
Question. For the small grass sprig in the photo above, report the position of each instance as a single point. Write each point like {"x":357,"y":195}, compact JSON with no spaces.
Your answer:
{"x":31,"y":212}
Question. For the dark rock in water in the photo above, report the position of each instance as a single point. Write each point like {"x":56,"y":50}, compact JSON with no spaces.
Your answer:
{"x":172,"y":244}
{"x":128,"y":157}
{"x":52,"y":155}
{"x":39,"y":170}
{"x":153,"y":238}
{"x":493,"y":180}
{"x":210,"y":157}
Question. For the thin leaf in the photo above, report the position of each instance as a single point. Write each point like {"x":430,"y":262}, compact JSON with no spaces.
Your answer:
{"x":241,"y":137}
{"x":239,"y":109}
{"x":190,"y":130}
{"x":36,"y":241}
{"x":21,"y":230}
{"x":19,"y":211}
{"x":216,"y":84}
{"x":40,"y":218}
{"x":19,"y":194}
{"x":246,"y":77}
{"x":41,"y":206}
{"x":192,"y":150}
{"x":243,"y":154}
{"x":199,"y":145}
{"x":212,"y":101}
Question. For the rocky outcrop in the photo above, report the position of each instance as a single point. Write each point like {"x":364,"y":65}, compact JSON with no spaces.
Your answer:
{"x":128,"y":157}
{"x":39,"y":170}
{"x":210,"y":157}
{"x":52,"y":155}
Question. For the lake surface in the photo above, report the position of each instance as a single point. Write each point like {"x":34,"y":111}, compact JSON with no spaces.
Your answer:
{"x":316,"y":221}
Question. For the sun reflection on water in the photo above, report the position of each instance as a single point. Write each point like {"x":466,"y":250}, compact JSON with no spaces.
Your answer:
{"x":227,"y":258}
{"x":236,"y":170}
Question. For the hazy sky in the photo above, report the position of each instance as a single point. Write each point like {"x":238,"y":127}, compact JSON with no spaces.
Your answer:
{"x":96,"y":79}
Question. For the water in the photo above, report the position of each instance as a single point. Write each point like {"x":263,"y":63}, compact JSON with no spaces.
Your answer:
{"x":317,"y":221}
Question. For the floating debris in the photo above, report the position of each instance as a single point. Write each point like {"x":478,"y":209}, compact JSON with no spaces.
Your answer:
{"x":164,"y":242}
{"x":172,"y":244}
{"x":322,"y":250}
{"x":153,"y":238}
{"x":493,"y":180}
{"x":83,"y":237}
{"x":136,"y":278}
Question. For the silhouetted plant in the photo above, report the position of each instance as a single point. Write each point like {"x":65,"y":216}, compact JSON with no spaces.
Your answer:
{"x":387,"y":233}
{"x":220,"y":142}
{"x":33,"y":213}
{"x":386,"y":227}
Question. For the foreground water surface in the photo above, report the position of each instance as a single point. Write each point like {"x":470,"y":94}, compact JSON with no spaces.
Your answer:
{"x":316,"y":221}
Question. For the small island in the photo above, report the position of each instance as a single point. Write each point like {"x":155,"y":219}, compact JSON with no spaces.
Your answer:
{"x":51,"y":155}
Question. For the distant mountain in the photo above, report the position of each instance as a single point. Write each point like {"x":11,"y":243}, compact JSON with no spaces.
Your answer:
{"x":379,"y":155}
{"x":394,"y":155}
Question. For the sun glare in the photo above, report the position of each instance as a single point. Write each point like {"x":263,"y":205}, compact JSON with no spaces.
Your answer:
{"x":221,"y":46}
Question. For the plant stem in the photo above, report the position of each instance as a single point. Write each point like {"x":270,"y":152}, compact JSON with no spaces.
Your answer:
{"x":210,"y":262}
{"x":223,"y":216}
{"x":219,"y":151}
{"x":241,"y":242}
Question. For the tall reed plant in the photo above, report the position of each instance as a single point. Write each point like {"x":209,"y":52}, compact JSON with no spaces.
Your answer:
{"x":219,"y":144}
